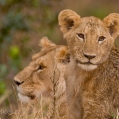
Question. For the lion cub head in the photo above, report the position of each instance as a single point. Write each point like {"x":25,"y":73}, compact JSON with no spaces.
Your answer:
{"x":36,"y":78}
{"x":89,"y":39}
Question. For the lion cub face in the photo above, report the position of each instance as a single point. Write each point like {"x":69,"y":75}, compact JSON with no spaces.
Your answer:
{"x":36,"y":78}
{"x":89,"y":39}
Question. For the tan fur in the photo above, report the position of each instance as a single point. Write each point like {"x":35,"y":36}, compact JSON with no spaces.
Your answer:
{"x":92,"y":76}
{"x":45,"y":42}
{"x":37,"y":78}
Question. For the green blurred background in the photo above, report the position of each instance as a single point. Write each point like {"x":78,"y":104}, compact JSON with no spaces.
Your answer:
{"x":23,"y":23}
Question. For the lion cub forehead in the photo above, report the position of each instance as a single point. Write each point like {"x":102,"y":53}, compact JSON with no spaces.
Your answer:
{"x":92,"y":24}
{"x":92,"y":21}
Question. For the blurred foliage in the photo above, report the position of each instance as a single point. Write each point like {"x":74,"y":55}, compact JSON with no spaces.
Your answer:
{"x":14,"y":52}
{"x":99,"y":12}
{"x":10,"y":23}
{"x":2,"y":87}
{"x":3,"y":71}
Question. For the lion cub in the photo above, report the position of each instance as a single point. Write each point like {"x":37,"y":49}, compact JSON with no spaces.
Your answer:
{"x":92,"y":76}
{"x":44,"y":73}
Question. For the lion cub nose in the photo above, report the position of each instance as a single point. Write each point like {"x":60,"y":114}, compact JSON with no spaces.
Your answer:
{"x":89,"y":56}
{"x":17,"y":82}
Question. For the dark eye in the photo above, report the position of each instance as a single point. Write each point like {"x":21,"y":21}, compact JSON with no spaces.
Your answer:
{"x":41,"y":67}
{"x":80,"y":35}
{"x":101,"y":38}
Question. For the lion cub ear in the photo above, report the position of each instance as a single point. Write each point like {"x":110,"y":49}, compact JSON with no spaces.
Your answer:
{"x":62,"y":55}
{"x":112,"y":23}
{"x":68,"y":19}
{"x":45,"y":42}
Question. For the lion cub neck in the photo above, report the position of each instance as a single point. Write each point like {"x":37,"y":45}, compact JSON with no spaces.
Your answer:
{"x":81,"y":78}
{"x":74,"y":72}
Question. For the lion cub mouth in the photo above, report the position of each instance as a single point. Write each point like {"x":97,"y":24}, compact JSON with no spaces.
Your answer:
{"x":86,"y":65}
{"x":26,"y":98}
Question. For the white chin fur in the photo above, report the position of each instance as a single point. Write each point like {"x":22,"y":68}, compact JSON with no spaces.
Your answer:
{"x":23,"y":98}
{"x":87,"y":67}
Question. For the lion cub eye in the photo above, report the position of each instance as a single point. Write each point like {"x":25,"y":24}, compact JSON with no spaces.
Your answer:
{"x":101,"y":38}
{"x":80,"y":36}
{"x":41,"y":67}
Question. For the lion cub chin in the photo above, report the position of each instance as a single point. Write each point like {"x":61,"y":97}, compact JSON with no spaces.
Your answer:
{"x":24,"y":98}
{"x":87,"y":67}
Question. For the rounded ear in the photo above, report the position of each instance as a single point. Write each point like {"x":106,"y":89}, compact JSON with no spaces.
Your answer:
{"x":45,"y":42}
{"x":68,"y":19}
{"x":62,"y":55}
{"x":112,"y":23}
